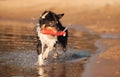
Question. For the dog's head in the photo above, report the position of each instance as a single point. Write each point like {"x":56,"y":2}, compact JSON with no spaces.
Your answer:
{"x":50,"y":19}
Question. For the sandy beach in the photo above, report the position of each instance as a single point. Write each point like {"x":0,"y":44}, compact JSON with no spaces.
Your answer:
{"x":102,"y":17}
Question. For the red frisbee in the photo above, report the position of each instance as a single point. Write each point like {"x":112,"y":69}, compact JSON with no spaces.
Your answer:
{"x":53,"y":33}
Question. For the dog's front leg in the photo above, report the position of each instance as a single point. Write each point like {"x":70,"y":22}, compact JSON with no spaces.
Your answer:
{"x":46,"y":53}
{"x":40,"y":56}
{"x":40,"y":60}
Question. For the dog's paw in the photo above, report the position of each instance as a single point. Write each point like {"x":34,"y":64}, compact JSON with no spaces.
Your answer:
{"x":40,"y":60}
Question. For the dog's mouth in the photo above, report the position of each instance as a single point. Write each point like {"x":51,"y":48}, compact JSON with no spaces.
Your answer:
{"x":49,"y":28}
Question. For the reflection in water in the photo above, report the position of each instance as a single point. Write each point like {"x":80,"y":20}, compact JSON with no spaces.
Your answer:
{"x":65,"y":69}
{"x":54,"y":70}
{"x":41,"y":72}
{"x":17,"y":40}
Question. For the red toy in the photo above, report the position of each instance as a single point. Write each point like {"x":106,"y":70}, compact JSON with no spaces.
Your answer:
{"x":53,"y":33}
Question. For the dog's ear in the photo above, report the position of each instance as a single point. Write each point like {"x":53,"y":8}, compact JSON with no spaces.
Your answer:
{"x":60,"y":15}
{"x":44,"y":14}
{"x":45,"y":11}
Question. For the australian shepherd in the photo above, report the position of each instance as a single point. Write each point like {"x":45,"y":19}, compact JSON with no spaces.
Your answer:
{"x":46,"y":41}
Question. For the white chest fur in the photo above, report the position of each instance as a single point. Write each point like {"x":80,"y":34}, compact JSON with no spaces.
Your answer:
{"x":46,"y":39}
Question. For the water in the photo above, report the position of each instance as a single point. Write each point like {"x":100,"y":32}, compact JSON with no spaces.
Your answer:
{"x":18,"y":57}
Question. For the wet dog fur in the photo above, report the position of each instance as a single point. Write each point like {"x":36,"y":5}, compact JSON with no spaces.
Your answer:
{"x":46,"y":43}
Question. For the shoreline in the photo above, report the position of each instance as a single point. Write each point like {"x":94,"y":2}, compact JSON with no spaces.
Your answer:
{"x":105,"y":59}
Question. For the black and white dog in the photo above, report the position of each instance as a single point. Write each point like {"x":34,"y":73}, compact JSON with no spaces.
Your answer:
{"x":46,"y":43}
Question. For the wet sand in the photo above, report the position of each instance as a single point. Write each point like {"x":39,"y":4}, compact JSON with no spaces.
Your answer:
{"x":101,"y":18}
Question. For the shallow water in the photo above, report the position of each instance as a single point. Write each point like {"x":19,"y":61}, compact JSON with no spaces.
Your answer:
{"x":18,"y":57}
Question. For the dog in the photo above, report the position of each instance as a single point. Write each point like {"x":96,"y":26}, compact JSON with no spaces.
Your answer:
{"x":47,"y":42}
